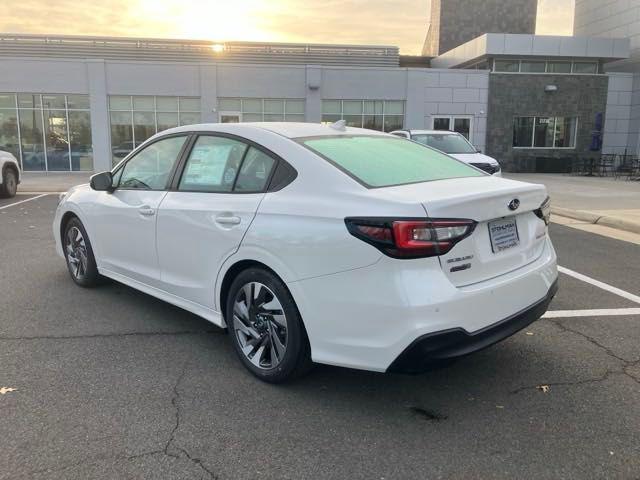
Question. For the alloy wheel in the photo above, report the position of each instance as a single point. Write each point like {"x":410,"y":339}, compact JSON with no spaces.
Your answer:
{"x":11,"y":183}
{"x":260,"y":325}
{"x":76,"y":250}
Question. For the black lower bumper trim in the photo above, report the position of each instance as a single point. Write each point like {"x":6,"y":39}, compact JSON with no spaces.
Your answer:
{"x":440,"y":347}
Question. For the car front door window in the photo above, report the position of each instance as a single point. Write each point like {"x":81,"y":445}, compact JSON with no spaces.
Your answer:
{"x":150,"y":168}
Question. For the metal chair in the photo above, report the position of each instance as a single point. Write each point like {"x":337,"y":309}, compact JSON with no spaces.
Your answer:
{"x":624,"y":167}
{"x":605,"y":166}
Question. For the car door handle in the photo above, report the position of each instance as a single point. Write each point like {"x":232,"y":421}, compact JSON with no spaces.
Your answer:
{"x":146,"y":210}
{"x":228,"y":220}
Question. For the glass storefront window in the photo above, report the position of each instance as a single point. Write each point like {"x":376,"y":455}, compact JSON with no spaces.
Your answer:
{"x":167,"y":104}
{"x":44,"y":130}
{"x":251,"y":117}
{"x":189,"y":118}
{"x":144,"y":104}
{"x":56,"y":139}
{"x":121,"y":135}
{"x":80,"y":140}
{"x":29,"y":100}
{"x":189,"y":104}
{"x":7,"y":100}
{"x":566,"y":128}
{"x":382,"y":115}
{"x":353,"y":120}
{"x":506,"y":65}
{"x":136,"y":118}
{"x":9,"y":140}
{"x":167,"y":120}
{"x":545,"y":132}
{"x":144,"y":126}
{"x":118,"y":102}
{"x":545,"y":66}
{"x":53,"y":102}
{"x":31,"y":140}
{"x":78,"y":102}
{"x":522,"y":131}
{"x":559,"y":67}
{"x":274,"y":106}
{"x":294,"y":107}
{"x":230,"y":104}
{"x":585,"y":67}
{"x":532,"y":67}
{"x":352,"y":108}
{"x":261,"y":110}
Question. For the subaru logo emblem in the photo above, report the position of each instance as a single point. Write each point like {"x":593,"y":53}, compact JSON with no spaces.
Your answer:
{"x":514,"y":204}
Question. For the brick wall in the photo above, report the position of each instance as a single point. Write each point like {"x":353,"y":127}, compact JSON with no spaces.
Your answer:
{"x":515,"y":95}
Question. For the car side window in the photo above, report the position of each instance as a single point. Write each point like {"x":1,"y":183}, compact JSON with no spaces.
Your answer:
{"x":150,"y":168}
{"x":212,"y":165}
{"x":255,"y":171}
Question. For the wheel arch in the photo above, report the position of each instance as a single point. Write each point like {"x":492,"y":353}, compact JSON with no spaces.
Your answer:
{"x":11,"y":166}
{"x":232,"y":272}
{"x":68,"y":215}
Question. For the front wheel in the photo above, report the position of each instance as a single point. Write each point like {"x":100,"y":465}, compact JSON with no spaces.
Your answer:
{"x":9,"y":185}
{"x":266,"y":328}
{"x":79,"y":254}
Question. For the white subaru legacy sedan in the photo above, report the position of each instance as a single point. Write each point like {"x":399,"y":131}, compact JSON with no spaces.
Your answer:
{"x":315,"y":243}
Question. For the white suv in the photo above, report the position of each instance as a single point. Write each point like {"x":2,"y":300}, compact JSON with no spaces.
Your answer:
{"x":10,"y":177}
{"x":454,"y":145}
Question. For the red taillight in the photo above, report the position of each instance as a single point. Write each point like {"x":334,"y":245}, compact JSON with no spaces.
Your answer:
{"x":405,"y":238}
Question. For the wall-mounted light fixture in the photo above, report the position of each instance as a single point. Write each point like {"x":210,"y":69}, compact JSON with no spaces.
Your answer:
{"x":551,"y":88}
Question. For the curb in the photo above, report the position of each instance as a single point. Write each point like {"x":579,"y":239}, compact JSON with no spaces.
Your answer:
{"x":611,"y":221}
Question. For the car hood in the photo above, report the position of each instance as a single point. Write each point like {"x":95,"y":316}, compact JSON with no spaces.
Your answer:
{"x":474,"y":158}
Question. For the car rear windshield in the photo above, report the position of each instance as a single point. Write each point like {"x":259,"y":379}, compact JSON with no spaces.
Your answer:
{"x":380,"y":161}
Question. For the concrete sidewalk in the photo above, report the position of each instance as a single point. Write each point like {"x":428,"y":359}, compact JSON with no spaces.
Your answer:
{"x":51,"y":181}
{"x":596,"y":200}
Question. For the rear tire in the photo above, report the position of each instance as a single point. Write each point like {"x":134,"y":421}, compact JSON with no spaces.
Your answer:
{"x":9,"y":185}
{"x":265,"y":327}
{"x":79,"y":255}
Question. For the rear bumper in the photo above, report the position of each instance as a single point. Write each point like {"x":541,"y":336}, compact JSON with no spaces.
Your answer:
{"x":440,"y":346}
{"x":366,"y":318}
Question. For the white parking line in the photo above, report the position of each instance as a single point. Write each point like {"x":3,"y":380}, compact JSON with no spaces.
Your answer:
{"x":23,"y":201}
{"x":599,"y":284}
{"x":599,"y":312}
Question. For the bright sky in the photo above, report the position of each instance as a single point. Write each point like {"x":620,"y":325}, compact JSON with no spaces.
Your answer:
{"x":401,"y":22}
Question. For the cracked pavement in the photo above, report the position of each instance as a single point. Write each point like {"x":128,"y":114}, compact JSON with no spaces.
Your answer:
{"x":112,"y":383}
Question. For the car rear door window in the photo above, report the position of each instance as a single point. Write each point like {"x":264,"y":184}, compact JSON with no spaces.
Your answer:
{"x":150,"y":168}
{"x":255,"y":171}
{"x":382,"y":161}
{"x":212,"y":165}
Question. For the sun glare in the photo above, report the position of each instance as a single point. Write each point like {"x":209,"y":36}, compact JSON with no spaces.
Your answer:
{"x":206,"y":19}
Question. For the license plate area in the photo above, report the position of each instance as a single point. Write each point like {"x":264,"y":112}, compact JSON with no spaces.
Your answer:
{"x":503,"y":234}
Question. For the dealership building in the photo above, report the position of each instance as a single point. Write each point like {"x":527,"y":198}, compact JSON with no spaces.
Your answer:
{"x":535,"y":103}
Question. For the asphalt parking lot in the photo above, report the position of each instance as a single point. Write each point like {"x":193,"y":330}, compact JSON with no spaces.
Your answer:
{"x":111,"y":383}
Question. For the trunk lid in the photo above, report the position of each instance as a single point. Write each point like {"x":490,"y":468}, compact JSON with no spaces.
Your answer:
{"x":485,"y":200}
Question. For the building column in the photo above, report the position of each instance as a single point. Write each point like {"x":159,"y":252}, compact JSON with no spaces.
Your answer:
{"x":209,"y":93}
{"x":415,"y":98}
{"x":98,"y":103}
{"x":313,"y":104}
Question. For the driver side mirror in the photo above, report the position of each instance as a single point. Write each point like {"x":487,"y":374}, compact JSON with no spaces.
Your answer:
{"x":102,"y":182}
